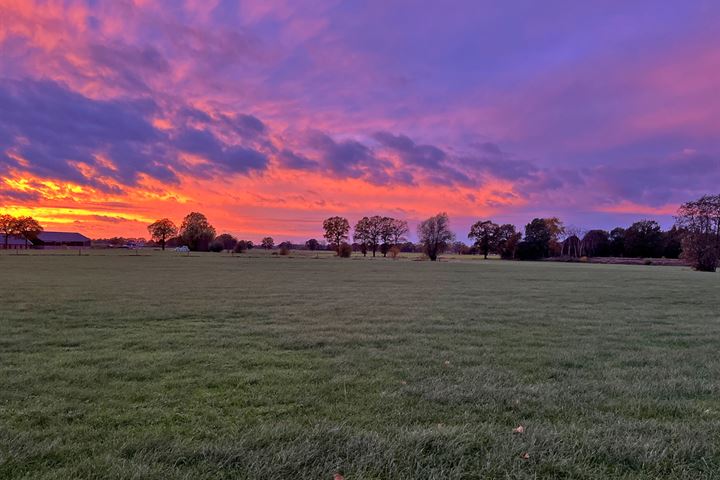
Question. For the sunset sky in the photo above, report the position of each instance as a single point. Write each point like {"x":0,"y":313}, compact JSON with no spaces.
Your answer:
{"x":270,"y":115}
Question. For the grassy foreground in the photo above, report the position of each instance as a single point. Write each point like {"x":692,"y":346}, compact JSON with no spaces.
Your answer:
{"x":164,"y":366}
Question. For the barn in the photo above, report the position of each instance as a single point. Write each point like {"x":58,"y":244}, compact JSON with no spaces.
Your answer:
{"x":15,"y":243}
{"x":61,"y":239}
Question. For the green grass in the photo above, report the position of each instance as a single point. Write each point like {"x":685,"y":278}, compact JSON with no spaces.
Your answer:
{"x":209,"y":366}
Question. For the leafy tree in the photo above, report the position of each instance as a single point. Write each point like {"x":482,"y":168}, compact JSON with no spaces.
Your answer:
{"x":228,"y":241}
{"x":162,"y":230}
{"x":544,"y":235}
{"x":596,"y":243}
{"x":396,"y":231}
{"x":267,"y":243}
{"x":485,"y":234}
{"x":368,"y":231}
{"x":336,"y":231}
{"x":701,"y":221}
{"x":672,"y":242}
{"x":435,"y":235}
{"x":28,"y":228}
{"x":644,"y":239}
{"x":196,"y":231}
{"x":506,"y":241}
{"x":312,"y":245}
{"x":617,"y":242}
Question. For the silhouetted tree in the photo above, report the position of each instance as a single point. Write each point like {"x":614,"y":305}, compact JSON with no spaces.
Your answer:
{"x":507,"y":240}
{"x":701,"y":221}
{"x":596,"y":243}
{"x":196,"y":231}
{"x":8,"y":226}
{"x":312,"y":244}
{"x":644,"y":239}
{"x":435,"y":234}
{"x":485,"y":234}
{"x":267,"y":243}
{"x":228,"y":241}
{"x":617,"y":242}
{"x":368,"y":231}
{"x":28,"y":228}
{"x":336,"y":231}
{"x":162,"y":230}
{"x":672,"y":242}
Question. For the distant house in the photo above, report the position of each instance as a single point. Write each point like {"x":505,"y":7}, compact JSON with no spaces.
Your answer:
{"x":15,"y":242}
{"x":61,"y":239}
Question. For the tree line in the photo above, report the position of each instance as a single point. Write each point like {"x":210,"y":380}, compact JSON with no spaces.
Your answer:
{"x":694,"y":237}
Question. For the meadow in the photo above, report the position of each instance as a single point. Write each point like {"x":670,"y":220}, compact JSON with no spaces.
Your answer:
{"x":116,"y":365}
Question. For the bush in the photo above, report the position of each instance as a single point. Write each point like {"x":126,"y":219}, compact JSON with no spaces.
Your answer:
{"x":216,"y":247}
{"x":394,"y":252}
{"x":529,"y":251}
{"x":284,"y":250}
{"x":345,"y":250}
{"x":240,"y":247}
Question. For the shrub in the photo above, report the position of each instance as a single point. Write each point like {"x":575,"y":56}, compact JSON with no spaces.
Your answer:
{"x":345,"y":250}
{"x":216,"y":247}
{"x":284,"y":250}
{"x":394,"y":252}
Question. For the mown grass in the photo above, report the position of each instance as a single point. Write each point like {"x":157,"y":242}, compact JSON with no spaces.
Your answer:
{"x":209,"y":366}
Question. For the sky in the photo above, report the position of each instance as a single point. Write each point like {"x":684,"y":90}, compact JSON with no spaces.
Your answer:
{"x":269,"y":116}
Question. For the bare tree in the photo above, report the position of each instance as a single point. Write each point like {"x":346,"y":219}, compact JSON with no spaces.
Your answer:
{"x":435,"y":235}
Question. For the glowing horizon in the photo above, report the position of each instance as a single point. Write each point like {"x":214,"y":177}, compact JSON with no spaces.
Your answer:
{"x":268,"y":116}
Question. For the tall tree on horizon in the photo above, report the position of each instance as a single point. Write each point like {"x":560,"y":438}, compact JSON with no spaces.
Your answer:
{"x":435,"y":235}
{"x":336,"y":230}
{"x":161,"y":230}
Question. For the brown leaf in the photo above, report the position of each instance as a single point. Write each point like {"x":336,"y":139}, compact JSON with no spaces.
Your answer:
{"x":338,"y":476}
{"x":525,"y":456}
{"x":519,"y":429}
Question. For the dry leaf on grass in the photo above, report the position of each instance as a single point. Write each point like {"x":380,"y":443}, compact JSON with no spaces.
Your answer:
{"x":525,"y":456}
{"x":519,"y":429}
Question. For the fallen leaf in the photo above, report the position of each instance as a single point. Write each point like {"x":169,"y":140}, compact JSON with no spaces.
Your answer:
{"x":338,"y":476}
{"x":525,"y":456}
{"x":519,"y":429}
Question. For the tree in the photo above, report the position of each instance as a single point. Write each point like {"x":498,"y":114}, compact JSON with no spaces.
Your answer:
{"x":28,"y":228}
{"x":8,"y":226}
{"x":397,"y":229}
{"x":506,"y":241}
{"x":644,"y":239}
{"x":617,"y":242}
{"x":367,"y":232}
{"x":196,"y":231}
{"x":336,"y":231}
{"x":701,"y":221}
{"x":542,"y":235}
{"x":228,"y":241}
{"x":485,"y":235}
{"x":313,"y":244}
{"x":672,"y":242}
{"x":267,"y":243}
{"x":596,"y":243}
{"x":435,"y":234}
{"x":243,"y":245}
{"x":162,"y":230}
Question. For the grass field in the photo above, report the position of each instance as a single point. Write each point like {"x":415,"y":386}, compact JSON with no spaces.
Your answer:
{"x":161,"y":366}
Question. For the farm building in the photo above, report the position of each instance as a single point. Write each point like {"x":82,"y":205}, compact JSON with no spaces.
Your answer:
{"x":61,"y":239}
{"x":14,"y":242}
